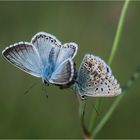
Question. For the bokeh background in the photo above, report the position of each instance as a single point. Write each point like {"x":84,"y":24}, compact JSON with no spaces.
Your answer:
{"x":92,"y":25}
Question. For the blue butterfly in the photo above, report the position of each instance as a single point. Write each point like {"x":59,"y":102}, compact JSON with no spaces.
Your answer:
{"x":44,"y":57}
{"x":95,"y":79}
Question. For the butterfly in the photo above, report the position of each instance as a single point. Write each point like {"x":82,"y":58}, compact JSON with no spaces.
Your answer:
{"x":44,"y":57}
{"x":95,"y":79}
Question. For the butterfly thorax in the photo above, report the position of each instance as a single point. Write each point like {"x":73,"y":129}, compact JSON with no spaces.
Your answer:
{"x":47,"y":73}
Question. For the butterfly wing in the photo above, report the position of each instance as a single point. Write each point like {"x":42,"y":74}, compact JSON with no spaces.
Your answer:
{"x":24,"y":56}
{"x":68,"y":50}
{"x":94,"y":77}
{"x":63,"y":74}
{"x":91,"y":72}
{"x":47,"y":44}
{"x":109,"y":87}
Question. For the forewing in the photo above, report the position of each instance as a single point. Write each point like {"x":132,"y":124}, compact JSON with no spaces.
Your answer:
{"x":24,"y":56}
{"x":63,"y":74}
{"x":46,"y":43}
{"x":68,"y":50}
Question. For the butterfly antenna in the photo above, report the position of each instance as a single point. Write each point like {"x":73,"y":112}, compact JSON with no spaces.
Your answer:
{"x":27,"y":91}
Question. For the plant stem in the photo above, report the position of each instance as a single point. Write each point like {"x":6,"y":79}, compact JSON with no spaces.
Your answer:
{"x":107,"y":115}
{"x":118,"y":32}
{"x":116,"y":102}
{"x":112,"y":55}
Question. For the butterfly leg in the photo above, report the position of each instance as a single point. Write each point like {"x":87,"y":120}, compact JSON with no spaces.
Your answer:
{"x":44,"y":89}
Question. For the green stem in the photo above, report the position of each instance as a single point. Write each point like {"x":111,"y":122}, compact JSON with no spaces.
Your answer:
{"x":107,"y":116}
{"x":118,"y":32}
{"x":113,"y":52}
{"x":116,"y":102}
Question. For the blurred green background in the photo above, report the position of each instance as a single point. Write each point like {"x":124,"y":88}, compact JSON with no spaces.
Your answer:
{"x":90,"y":24}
